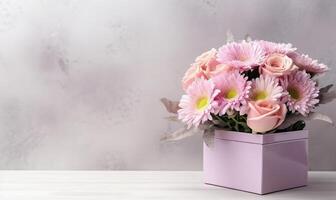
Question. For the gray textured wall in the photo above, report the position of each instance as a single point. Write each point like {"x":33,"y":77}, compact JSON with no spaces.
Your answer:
{"x":80,"y":80}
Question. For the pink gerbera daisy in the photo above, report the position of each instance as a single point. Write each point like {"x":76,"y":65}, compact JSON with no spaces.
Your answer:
{"x":304,"y":62}
{"x":266,"y":88}
{"x":302,"y":92}
{"x":198,"y":102}
{"x":272,"y":47}
{"x":234,"y":91}
{"x":242,"y":56}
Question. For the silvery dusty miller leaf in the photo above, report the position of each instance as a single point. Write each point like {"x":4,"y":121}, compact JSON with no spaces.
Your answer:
{"x":326,"y":96}
{"x":320,"y":116}
{"x":248,"y":38}
{"x":312,"y":116}
{"x":180,"y":134}
{"x":206,"y":125}
{"x":229,"y":37}
{"x":326,"y":89}
{"x":171,"y":106}
{"x":209,"y":137}
{"x":291,"y":119}
{"x":172,"y":118}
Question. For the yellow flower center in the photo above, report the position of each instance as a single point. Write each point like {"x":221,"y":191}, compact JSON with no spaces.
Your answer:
{"x":260,"y":95}
{"x":231,"y":94}
{"x":202,"y":103}
{"x":294,"y":93}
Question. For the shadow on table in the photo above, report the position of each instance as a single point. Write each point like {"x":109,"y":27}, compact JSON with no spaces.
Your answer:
{"x":319,"y":187}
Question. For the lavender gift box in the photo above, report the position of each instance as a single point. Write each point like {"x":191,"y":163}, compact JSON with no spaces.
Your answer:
{"x":257,"y":163}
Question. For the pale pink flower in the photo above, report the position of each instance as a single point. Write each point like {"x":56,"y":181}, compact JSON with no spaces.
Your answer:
{"x":277,"y":65}
{"x":198,"y":103}
{"x":205,"y":66}
{"x":272,"y":47}
{"x":302,"y":92}
{"x":304,"y":62}
{"x":234,"y":92}
{"x":242,"y":56}
{"x":265,"y":115}
{"x":266,"y":88}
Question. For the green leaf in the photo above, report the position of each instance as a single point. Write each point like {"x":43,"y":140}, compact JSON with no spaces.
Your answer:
{"x":234,"y":122}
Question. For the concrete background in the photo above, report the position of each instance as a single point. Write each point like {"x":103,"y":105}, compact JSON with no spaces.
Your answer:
{"x":80,"y":81}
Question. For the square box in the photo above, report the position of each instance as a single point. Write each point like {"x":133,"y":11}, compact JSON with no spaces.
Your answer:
{"x":257,"y":163}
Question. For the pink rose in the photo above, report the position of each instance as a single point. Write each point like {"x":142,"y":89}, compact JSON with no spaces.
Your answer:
{"x":206,"y":66}
{"x":278,"y":65}
{"x":265,"y":115}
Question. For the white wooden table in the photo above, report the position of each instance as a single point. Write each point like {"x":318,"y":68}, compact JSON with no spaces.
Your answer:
{"x":119,"y":185}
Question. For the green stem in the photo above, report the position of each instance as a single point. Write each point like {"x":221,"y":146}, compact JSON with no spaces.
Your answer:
{"x":238,"y":122}
{"x":243,"y":124}
{"x":219,"y":118}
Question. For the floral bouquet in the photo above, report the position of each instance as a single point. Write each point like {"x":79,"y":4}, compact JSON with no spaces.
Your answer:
{"x":251,"y":86}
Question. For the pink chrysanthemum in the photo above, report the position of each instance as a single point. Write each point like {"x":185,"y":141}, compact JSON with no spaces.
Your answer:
{"x":272,"y":47}
{"x":304,"y":62}
{"x":234,"y":91}
{"x":302,"y":92}
{"x":198,"y":102}
{"x":242,"y":56}
{"x":266,"y":88}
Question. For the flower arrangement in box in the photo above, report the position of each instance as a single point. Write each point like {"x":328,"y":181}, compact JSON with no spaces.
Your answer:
{"x":250,"y":99}
{"x":251,"y":86}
